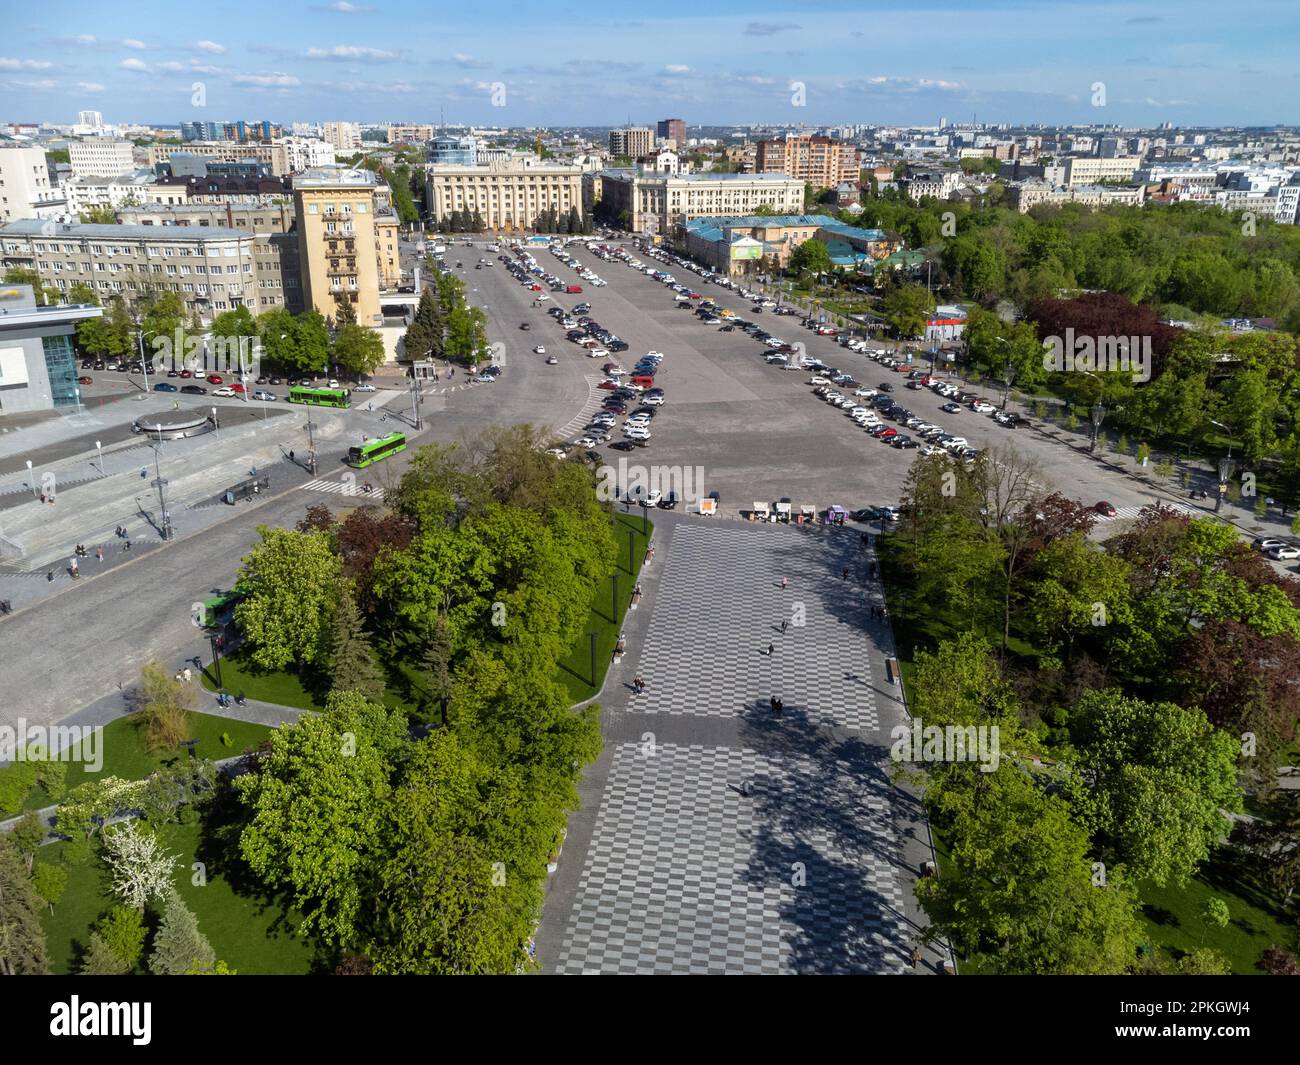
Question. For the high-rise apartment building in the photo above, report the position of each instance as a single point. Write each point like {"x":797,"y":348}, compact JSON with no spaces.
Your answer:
{"x":347,"y":241}
{"x":632,"y":142}
{"x":345,"y":136}
{"x":100,"y":157}
{"x":821,"y":161}
{"x":90,"y":119}
{"x":407,"y":134}
{"x":672,"y":129}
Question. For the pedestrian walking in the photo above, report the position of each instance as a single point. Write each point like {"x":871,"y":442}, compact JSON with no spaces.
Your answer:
{"x":916,"y":956}
{"x":771,"y":650}
{"x":99,"y":553}
{"x":844,"y":573}
{"x":785,"y":582}
{"x":126,"y":546}
{"x":784,"y":624}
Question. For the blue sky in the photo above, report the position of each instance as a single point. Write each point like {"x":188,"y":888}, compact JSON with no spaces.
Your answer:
{"x":904,"y":61}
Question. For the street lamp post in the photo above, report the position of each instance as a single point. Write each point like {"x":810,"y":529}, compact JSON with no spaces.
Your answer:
{"x":144,"y":363}
{"x":99,"y":451}
{"x":31,"y":476}
{"x":1225,"y":471}
{"x":160,"y":483}
{"x":1098,"y":416}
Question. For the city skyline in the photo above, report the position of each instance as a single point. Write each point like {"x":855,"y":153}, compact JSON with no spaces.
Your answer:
{"x":787,"y":62}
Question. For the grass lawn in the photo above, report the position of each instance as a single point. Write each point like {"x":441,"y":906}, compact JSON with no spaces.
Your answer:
{"x":252,"y":935}
{"x":238,"y":674}
{"x":606,"y":621}
{"x":122,"y":750}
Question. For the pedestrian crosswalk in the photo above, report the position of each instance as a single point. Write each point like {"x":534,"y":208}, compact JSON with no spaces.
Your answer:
{"x":1132,"y":512}
{"x":347,"y":487}
{"x":595,"y":397}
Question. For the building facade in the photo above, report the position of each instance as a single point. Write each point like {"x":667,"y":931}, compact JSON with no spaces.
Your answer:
{"x":26,"y":190}
{"x":101,"y":157}
{"x":456,"y":149}
{"x":657,"y":203}
{"x":211,"y":268}
{"x":347,"y":248}
{"x":38,"y":368}
{"x":508,"y":196}
{"x":255,"y":214}
{"x":274,"y":155}
{"x":671,"y":129}
{"x":345,"y":136}
{"x":1090,"y":171}
{"x":405,"y":134}
{"x":821,"y":161}
{"x":633,"y":141}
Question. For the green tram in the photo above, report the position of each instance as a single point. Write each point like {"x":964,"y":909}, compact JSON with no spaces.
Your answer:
{"x":370,"y":453}
{"x":320,"y":397}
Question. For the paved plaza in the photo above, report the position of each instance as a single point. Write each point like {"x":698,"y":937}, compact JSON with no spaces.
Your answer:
{"x":716,"y":835}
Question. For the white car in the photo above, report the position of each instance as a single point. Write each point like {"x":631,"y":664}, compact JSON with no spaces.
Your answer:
{"x":1283,"y":552}
{"x":636,"y":432}
{"x":333,"y":383}
{"x":540,"y":349}
{"x":654,"y":355}
{"x":542,"y":297}
{"x":819,"y":381}
{"x":365,"y":388}
{"x":653,"y":400}
{"x":224,"y":392}
{"x":558,"y":452}
{"x":651,"y":498}
{"x":585,"y":441}
{"x":868,"y":392}
{"x":983,"y":407}
{"x":597,"y":353}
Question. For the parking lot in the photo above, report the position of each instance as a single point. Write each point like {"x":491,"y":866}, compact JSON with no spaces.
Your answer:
{"x":756,"y":429}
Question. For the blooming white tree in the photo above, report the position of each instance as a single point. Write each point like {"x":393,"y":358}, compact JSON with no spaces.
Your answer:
{"x":140,"y":868}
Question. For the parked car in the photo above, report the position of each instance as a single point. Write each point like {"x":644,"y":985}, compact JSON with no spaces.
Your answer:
{"x":85,"y":380}
{"x":224,"y":392}
{"x":194,"y":390}
{"x":163,"y":386}
{"x":264,"y":395}
{"x":1106,"y":510}
{"x":1284,"y":552}
{"x":358,"y":388}
{"x":213,"y":379}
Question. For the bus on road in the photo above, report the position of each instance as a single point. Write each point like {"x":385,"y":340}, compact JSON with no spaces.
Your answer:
{"x":366,"y":454}
{"x":320,"y":397}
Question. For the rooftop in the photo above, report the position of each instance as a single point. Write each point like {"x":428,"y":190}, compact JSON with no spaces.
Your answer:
{"x":34,"y":227}
{"x":335,"y":177}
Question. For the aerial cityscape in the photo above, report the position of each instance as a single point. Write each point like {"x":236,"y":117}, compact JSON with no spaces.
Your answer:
{"x":801,"y":488}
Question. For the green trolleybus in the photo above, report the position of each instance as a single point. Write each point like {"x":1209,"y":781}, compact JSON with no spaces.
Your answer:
{"x":320,"y":397}
{"x":372,"y":452}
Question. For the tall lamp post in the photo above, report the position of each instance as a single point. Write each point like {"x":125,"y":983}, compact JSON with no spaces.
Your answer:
{"x":160,"y":483}
{"x":1226,"y":467}
{"x":1098,"y":416}
{"x":1008,"y":375}
{"x":144,"y":363}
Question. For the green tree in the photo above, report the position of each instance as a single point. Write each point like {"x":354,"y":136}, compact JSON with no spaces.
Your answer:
{"x":811,"y":258}
{"x":234,"y":334}
{"x":122,"y":931}
{"x":179,"y":946}
{"x":21,"y":275}
{"x":28,"y":834}
{"x":99,"y":959}
{"x":906,"y":309}
{"x":425,"y":335}
{"x":353,"y":666}
{"x":1213,"y":914}
{"x":290,"y":584}
{"x":50,"y":881}
{"x":1159,"y":775}
{"x":22,"y":938}
{"x":315,"y":827}
{"x":358,"y":350}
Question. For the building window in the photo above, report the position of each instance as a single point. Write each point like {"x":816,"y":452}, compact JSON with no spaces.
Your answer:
{"x":61,"y":370}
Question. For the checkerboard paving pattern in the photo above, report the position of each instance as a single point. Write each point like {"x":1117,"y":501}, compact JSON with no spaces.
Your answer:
{"x":707,"y":652}
{"x":726,"y":860}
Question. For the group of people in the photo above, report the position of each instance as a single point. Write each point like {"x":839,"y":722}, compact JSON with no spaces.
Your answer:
{"x":183,"y":676}
{"x":778,"y":704}
{"x":224,"y":699}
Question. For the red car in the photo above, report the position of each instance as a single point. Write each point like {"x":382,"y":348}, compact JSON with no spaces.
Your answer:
{"x":214,"y":379}
{"x":535,"y":288}
{"x":1105,"y":509}
{"x":609,"y":386}
{"x":693,"y":296}
{"x":572,"y":288}
{"x":237,"y":387}
{"x":186,"y":373}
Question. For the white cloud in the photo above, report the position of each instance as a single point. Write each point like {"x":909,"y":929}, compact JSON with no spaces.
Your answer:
{"x":85,"y":38}
{"x":267,"y":80}
{"x":34,"y":83}
{"x":211,"y":47}
{"x":135,"y":64}
{"x":131,"y":42}
{"x":23,"y":64}
{"x":344,"y":8}
{"x":90,"y":86}
{"x":171,"y":66}
{"x":677,"y":68}
{"x":351,"y":51}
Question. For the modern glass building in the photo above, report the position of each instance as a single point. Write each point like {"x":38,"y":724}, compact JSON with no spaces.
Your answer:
{"x":454,"y":148}
{"x":38,"y":368}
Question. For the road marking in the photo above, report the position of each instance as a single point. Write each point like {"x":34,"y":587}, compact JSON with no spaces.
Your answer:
{"x":1133,"y":512}
{"x":589,"y":407}
{"x":342,"y":488}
